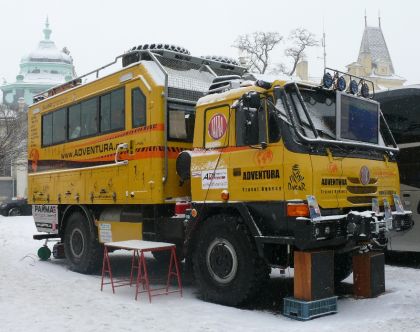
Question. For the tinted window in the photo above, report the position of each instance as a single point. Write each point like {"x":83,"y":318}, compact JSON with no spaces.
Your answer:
{"x":47,"y":129}
{"x":117,"y":110}
{"x":74,"y":121}
{"x":59,"y":126}
{"x":89,"y":117}
{"x":250,"y":126}
{"x":138,"y":106}
{"x":403,"y":117}
{"x":106,"y":112}
{"x":181,"y":122}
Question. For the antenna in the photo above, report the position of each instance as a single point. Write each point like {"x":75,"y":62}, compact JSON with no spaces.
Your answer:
{"x":365,"y":19}
{"x":324,"y":44}
{"x":379,"y":17}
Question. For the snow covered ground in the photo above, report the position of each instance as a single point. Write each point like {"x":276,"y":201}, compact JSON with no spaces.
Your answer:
{"x":46,"y":296}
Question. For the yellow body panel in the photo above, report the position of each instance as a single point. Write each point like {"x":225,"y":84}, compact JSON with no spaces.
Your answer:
{"x":119,"y":231}
{"x":83,"y":171}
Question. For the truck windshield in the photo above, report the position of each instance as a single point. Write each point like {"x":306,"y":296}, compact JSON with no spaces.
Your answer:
{"x":321,"y":106}
{"x":358,"y":118}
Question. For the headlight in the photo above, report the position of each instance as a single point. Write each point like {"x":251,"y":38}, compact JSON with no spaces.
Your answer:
{"x":2,"y":206}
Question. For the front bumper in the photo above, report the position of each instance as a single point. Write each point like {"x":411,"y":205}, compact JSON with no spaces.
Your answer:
{"x":360,"y":227}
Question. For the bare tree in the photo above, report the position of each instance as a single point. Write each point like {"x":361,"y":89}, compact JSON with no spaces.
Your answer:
{"x":13,"y":136}
{"x":301,"y":39}
{"x":257,"y":47}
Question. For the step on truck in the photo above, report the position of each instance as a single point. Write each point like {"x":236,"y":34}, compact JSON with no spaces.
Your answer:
{"x":238,"y":171}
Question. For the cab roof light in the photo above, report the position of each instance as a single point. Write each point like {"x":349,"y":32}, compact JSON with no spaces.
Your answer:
{"x":297,"y":210}
{"x":353,"y":87}
{"x":341,"y":83}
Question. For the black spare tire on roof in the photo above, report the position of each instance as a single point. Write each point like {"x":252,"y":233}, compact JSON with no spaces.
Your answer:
{"x":132,"y":56}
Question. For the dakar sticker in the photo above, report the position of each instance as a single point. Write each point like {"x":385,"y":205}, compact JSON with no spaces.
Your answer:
{"x":217,"y":126}
{"x":296,"y":180}
{"x":214,"y":179}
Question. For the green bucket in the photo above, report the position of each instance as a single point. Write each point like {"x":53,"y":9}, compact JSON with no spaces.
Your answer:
{"x":44,"y":253}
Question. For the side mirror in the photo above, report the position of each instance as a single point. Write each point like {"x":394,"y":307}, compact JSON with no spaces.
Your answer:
{"x":252,"y":99}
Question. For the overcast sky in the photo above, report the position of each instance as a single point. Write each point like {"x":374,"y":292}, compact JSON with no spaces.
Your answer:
{"x":95,"y":31}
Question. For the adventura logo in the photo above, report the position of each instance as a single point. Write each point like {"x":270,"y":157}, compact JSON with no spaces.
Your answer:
{"x":333,"y":182}
{"x":261,"y":175}
{"x":296,"y":180}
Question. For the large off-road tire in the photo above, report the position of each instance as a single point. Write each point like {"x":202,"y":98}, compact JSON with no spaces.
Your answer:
{"x":343,"y":267}
{"x":81,"y":246}
{"x":226,"y":265}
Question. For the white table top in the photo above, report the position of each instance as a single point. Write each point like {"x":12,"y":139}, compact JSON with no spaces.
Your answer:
{"x":138,"y":245}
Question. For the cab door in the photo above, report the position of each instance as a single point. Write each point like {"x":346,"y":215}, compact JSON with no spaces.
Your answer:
{"x":256,"y":160}
{"x":138,"y":120}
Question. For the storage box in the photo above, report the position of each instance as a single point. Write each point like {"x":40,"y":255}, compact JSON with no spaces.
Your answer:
{"x":368,"y":274}
{"x":305,"y":310}
{"x":314,"y":275}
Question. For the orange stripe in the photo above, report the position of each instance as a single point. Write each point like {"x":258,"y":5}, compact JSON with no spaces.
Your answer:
{"x":154,"y":127}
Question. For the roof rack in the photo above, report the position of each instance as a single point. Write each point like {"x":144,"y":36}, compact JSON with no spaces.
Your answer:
{"x":215,"y":67}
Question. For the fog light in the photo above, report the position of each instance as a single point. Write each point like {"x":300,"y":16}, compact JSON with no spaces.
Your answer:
{"x":341,"y":83}
{"x":327,"y":80}
{"x":327,"y":230}
{"x":365,"y":90}
{"x":316,"y":231}
{"x":354,"y":87}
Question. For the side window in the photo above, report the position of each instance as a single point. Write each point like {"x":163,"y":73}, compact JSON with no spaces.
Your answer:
{"x":181,"y":122}
{"x":274,"y":122}
{"x":112,"y":111}
{"x":89,"y":111}
{"x":74,"y":122}
{"x":47,"y":129}
{"x":59,"y":126}
{"x":117,"y":110}
{"x":106,"y":112}
{"x":138,"y":107}
{"x":247,"y":126}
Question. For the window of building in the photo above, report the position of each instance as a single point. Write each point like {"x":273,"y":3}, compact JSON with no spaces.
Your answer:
{"x":59,"y":126}
{"x":47,"y":121}
{"x":181,"y":122}
{"x":6,"y":169}
{"x":138,"y":107}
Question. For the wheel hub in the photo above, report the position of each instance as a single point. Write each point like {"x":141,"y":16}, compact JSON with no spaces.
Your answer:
{"x":77,"y":243}
{"x":222,"y":261}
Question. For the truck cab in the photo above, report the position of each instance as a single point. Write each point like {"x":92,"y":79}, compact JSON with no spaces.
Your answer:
{"x":285,"y":166}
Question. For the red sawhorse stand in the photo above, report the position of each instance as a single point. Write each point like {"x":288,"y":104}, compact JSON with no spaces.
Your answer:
{"x":138,"y":262}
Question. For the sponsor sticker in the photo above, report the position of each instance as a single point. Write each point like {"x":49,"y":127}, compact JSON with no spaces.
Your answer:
{"x":214,"y":179}
{"x":217,"y":126}
{"x":46,"y":218}
{"x":105,"y":233}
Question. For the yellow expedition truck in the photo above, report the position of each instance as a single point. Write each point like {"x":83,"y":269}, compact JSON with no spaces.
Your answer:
{"x":236,"y":170}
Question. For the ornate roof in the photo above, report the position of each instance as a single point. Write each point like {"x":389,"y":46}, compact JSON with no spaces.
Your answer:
{"x":47,"y":51}
{"x":373,"y":43}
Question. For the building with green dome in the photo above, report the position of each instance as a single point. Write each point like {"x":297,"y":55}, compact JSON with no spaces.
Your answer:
{"x":41,"y":69}
{"x":44,"y":67}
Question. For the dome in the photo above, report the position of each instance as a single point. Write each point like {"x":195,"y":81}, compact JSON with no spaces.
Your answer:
{"x":47,"y":51}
